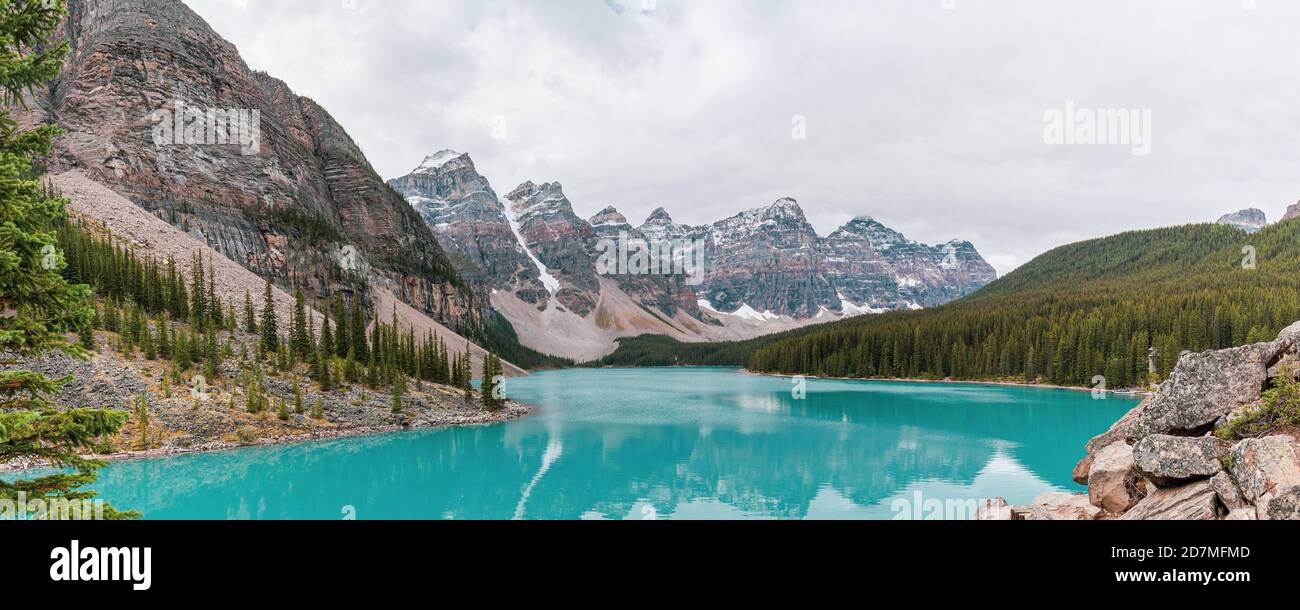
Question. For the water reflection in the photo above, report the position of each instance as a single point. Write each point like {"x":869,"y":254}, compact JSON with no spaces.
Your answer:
{"x":611,"y":444}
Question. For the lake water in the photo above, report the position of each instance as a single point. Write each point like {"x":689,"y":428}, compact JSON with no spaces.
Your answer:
{"x":705,"y":443}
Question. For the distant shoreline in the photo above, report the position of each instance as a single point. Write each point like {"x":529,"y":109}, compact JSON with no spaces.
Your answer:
{"x":1010,"y":384}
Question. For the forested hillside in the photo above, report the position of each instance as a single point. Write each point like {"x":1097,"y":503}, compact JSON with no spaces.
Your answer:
{"x":1092,"y":308}
{"x":1099,"y":307}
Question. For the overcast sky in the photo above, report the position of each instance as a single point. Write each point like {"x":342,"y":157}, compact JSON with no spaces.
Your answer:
{"x":926,"y":114}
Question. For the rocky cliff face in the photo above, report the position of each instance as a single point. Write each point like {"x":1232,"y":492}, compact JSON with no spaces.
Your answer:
{"x":470,"y":222}
{"x":1250,"y":220}
{"x":769,"y":259}
{"x":559,"y":240}
{"x":875,"y":266}
{"x":1206,"y":446}
{"x":276,"y":185}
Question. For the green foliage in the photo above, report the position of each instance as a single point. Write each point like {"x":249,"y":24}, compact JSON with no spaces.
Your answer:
{"x":268,"y":324}
{"x":492,"y":394}
{"x":40,"y":307}
{"x":1095,"y":308}
{"x":300,"y":341}
{"x":1279,"y":407}
{"x":399,"y":391}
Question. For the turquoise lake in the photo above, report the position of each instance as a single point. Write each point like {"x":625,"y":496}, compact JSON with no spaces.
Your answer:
{"x":705,"y":443}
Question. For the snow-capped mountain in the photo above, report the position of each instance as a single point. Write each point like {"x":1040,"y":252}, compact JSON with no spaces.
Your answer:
{"x":763,"y":270}
{"x":469,"y":221}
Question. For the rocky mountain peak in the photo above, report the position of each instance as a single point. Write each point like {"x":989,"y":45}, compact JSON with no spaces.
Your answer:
{"x":784,"y":208}
{"x":869,"y":230}
{"x":610,"y":223}
{"x":608,"y":216}
{"x":437,"y":160}
{"x":1292,"y":212}
{"x":1249,"y":220}
{"x":463,"y":211}
{"x":531,"y":198}
{"x":659,"y":216}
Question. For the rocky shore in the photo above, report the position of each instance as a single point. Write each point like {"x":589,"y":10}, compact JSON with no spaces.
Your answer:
{"x":218,"y":420}
{"x":1212,"y":444}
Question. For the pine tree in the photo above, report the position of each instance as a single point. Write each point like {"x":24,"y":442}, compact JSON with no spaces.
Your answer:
{"x":326,"y":337}
{"x":198,"y":292}
{"x":270,"y":329}
{"x":318,"y":410}
{"x":399,"y":390}
{"x":40,"y":305}
{"x":147,"y":342}
{"x":299,"y":341}
{"x":342,"y":341}
{"x":297,"y":397}
{"x":488,"y":395}
{"x":357,"y":332}
{"x":250,"y":317}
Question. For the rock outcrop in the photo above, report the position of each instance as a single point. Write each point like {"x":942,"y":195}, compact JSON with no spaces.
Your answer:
{"x":1176,"y":455}
{"x":1250,"y":220}
{"x":1169,"y":461}
{"x":1291,"y":212}
{"x":559,"y":239}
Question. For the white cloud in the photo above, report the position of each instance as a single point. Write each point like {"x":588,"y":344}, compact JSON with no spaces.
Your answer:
{"x":928,"y":119}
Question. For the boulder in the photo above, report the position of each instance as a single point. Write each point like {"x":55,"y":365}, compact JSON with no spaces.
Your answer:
{"x":1110,"y":479}
{"x":1284,"y":507}
{"x":1241,"y":514}
{"x":995,"y":509}
{"x":1082,"y":469}
{"x":1229,"y":493}
{"x":1060,"y":506}
{"x":1169,"y":461}
{"x":1265,"y":468}
{"x":1194,"y":502}
{"x":1206,"y":386}
{"x":1117,"y":432}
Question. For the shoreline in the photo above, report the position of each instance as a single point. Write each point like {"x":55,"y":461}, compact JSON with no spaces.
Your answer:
{"x":1010,"y":384}
{"x":511,"y":412}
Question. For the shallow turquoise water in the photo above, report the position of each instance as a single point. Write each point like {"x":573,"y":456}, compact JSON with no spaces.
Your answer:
{"x":657,"y":443}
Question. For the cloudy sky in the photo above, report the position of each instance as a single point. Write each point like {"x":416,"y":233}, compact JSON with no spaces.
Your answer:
{"x":926,"y":114}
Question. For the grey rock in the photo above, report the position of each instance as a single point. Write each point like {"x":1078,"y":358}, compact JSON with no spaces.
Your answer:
{"x":1229,"y":493}
{"x":1168,"y":461}
{"x":1266,"y":469}
{"x":1194,"y":502}
{"x":1250,"y":220}
{"x":1284,"y":506}
{"x":1060,"y":506}
{"x":1241,"y":514}
{"x":1206,"y":386}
